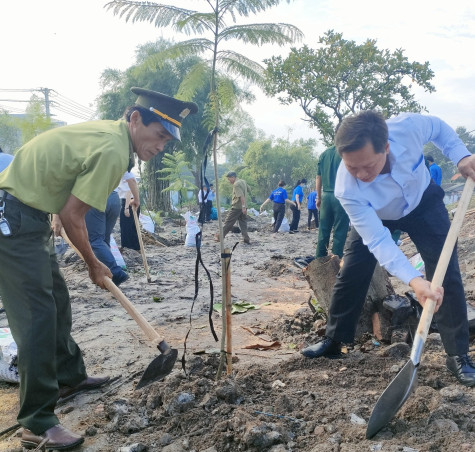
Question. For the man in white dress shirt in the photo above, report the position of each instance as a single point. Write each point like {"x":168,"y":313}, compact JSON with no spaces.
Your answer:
{"x":384,"y":185}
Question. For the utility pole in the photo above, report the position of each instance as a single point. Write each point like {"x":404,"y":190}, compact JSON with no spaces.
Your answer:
{"x":46,"y":91}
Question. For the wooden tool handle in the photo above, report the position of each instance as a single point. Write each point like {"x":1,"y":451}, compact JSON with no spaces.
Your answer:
{"x":123,"y":300}
{"x":142,"y":249}
{"x":130,"y":308}
{"x":446,"y":254}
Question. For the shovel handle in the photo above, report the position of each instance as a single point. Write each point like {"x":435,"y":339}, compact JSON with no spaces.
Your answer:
{"x":130,"y":308}
{"x":123,"y":300}
{"x":142,"y":249}
{"x":442,"y":264}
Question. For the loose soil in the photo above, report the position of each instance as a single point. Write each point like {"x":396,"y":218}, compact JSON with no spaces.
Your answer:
{"x":274,"y":399}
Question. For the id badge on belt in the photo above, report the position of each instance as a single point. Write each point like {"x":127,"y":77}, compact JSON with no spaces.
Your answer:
{"x":4,"y":226}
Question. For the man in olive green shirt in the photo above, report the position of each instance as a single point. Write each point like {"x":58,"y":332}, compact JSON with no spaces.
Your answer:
{"x":64,"y":171}
{"x":238,"y":210}
{"x":332,"y":214}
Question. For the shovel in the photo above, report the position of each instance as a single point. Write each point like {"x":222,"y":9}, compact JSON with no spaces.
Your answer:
{"x":402,"y":385}
{"x":142,"y":249}
{"x":163,"y":364}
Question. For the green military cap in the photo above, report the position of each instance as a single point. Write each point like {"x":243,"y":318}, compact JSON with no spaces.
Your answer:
{"x":170,"y":111}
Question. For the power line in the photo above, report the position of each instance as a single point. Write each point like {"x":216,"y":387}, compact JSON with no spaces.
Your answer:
{"x":72,"y":103}
{"x":60,"y":103}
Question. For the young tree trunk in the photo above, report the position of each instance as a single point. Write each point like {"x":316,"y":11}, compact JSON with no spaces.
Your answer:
{"x":156,"y":199}
{"x":321,"y":276}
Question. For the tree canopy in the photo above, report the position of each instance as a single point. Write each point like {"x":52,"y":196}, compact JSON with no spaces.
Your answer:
{"x":342,"y":77}
{"x":212,"y":26}
{"x":266,"y":162}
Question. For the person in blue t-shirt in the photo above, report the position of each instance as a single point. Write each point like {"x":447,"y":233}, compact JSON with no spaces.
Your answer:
{"x":278,"y":196}
{"x":5,"y":160}
{"x":297,"y":198}
{"x":312,"y":209}
{"x":434,"y":170}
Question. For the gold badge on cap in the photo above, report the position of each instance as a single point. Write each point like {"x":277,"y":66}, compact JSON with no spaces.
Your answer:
{"x":184,"y":113}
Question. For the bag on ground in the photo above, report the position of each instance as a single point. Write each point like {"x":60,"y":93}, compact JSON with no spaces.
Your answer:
{"x":192,"y":228}
{"x":8,"y":357}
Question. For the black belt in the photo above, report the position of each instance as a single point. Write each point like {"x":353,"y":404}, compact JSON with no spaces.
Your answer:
{"x":5,"y":195}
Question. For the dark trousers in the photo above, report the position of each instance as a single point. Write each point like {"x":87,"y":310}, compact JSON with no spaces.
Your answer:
{"x":279,"y":212}
{"x":332,"y":216}
{"x":99,"y":228}
{"x":427,"y":226}
{"x":294,"y":225}
{"x":37,"y":304}
{"x":312,"y":213}
{"x":128,"y":231}
{"x":205,"y":211}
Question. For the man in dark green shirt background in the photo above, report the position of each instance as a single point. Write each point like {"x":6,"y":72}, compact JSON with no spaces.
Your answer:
{"x":332,"y":214}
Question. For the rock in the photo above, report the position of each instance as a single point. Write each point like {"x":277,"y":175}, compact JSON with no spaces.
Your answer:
{"x":165,"y":439}
{"x":278,"y":384}
{"x":181,"y":403}
{"x":174,"y":447}
{"x":452,"y":393}
{"x":330,"y":428}
{"x":229,"y":392}
{"x":398,"y":350}
{"x":354,"y":419}
{"x":446,"y":425}
{"x":91,"y":431}
{"x":319,"y":430}
{"x":433,"y":342}
{"x":261,"y":436}
{"x":67,"y":409}
{"x":117,"y":407}
{"x":210,"y":449}
{"x":137,"y":447}
{"x":335,"y":438}
{"x":278,"y":448}
{"x":133,"y":423}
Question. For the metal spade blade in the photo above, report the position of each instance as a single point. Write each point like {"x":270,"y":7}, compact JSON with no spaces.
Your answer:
{"x":392,"y":399}
{"x":159,"y":368}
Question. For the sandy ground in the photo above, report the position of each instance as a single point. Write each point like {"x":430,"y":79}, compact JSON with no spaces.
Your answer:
{"x":274,"y":399}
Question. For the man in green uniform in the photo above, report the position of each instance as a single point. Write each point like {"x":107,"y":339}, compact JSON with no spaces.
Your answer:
{"x":64,"y":171}
{"x":332,"y":215}
{"x":238,"y":210}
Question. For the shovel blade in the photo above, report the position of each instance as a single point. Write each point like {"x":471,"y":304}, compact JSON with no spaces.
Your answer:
{"x":392,"y":399}
{"x":159,"y":368}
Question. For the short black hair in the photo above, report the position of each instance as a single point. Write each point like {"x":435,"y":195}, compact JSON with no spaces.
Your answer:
{"x":429,"y":158}
{"x":357,"y":130}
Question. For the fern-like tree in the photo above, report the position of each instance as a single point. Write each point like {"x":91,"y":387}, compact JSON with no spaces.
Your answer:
{"x":211,"y":25}
{"x":177,"y":172}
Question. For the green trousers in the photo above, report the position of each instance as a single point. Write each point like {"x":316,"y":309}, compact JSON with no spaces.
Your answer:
{"x":231,"y":218}
{"x":332,"y":215}
{"x":36,"y":301}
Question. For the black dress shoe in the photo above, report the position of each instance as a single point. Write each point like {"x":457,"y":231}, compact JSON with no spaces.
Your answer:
{"x":463,"y":369}
{"x":55,"y":438}
{"x":327,"y":347}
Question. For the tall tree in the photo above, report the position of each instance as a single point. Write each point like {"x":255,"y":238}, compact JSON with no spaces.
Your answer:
{"x":15,"y":130}
{"x":446,"y":165}
{"x":211,"y":25}
{"x":267,"y":162}
{"x":341,"y":77}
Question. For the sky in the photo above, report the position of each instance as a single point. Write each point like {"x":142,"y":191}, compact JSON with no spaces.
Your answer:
{"x":65,"y":45}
